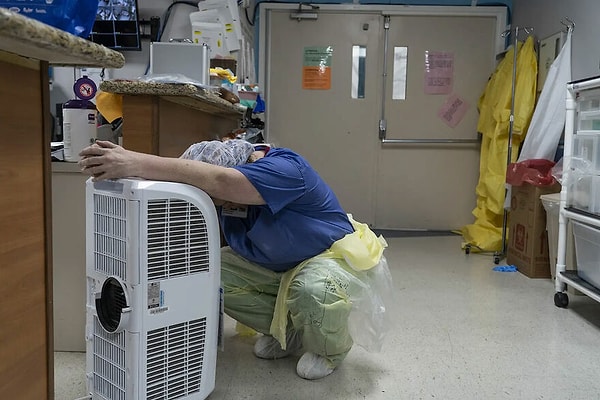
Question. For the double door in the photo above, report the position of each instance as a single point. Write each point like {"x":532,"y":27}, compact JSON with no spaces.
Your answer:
{"x":383,"y":103}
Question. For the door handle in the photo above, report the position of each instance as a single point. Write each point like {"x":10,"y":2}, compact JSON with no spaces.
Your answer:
{"x":429,"y":141}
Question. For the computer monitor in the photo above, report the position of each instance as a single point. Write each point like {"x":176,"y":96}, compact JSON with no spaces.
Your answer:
{"x":117,"y":25}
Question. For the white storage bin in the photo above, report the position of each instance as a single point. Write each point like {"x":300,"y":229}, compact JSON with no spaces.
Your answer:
{"x":584,"y":192}
{"x":589,"y":101}
{"x":587,"y":148}
{"x":587,"y":247}
{"x":588,"y":113}
{"x":591,"y":104}
{"x":589,"y":121}
{"x":586,"y":152}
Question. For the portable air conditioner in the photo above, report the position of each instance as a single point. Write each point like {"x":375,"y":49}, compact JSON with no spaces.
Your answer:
{"x":153,"y":290}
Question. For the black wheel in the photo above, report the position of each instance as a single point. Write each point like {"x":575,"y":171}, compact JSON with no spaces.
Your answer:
{"x":496,"y":259}
{"x":468,"y":249}
{"x":561,"y":300}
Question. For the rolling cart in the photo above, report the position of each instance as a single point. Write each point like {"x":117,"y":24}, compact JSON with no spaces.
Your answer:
{"x":580,"y":194}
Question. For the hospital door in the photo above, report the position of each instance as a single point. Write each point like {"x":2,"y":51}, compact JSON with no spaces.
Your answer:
{"x":384,"y":106}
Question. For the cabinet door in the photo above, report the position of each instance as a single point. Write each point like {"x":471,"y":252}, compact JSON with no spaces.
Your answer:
{"x":396,"y":186}
{"x":26,"y":355}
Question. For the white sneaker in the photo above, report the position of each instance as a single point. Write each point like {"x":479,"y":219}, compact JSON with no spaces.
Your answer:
{"x":312,"y":366}
{"x":269,"y":348}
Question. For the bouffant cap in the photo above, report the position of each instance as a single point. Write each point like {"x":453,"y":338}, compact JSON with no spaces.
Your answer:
{"x":226,"y":154}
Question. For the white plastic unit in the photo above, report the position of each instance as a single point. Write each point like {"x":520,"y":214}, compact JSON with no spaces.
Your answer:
{"x":580,"y":193}
{"x":588,"y":112}
{"x":587,"y":245}
{"x":153,"y":290}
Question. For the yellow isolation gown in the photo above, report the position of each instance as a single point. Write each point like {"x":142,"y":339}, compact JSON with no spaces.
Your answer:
{"x":494,"y":124}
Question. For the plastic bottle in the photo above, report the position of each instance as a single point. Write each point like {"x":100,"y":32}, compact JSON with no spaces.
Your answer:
{"x":79,"y":127}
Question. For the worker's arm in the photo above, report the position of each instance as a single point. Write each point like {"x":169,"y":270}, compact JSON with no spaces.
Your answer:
{"x":106,"y":160}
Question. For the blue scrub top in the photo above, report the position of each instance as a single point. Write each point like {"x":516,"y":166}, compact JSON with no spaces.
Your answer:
{"x":302,"y":216}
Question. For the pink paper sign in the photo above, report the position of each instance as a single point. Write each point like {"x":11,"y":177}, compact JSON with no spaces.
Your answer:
{"x":439,"y":72}
{"x":453,"y":110}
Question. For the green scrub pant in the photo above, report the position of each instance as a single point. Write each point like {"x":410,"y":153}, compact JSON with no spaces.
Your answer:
{"x":318,"y":301}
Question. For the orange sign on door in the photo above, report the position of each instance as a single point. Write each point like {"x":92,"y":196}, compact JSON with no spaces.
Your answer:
{"x":316,"y":70}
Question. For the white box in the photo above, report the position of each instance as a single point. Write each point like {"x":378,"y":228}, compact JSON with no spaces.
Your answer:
{"x":189,"y":59}
{"x":211,"y":34}
{"x":587,"y":246}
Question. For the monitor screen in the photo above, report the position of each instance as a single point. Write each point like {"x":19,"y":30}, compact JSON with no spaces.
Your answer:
{"x":117,"y":25}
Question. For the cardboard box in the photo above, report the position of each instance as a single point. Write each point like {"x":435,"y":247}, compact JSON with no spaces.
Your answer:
{"x":527,"y":247}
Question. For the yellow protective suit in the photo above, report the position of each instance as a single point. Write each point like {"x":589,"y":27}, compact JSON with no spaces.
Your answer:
{"x":335,"y":299}
{"x":362,"y":250}
{"x":494,"y":125}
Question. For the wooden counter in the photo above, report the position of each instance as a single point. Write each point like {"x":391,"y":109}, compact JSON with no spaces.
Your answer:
{"x":165,"y":118}
{"x":27,"y":48}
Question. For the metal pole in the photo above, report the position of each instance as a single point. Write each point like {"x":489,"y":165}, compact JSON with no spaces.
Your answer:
{"x":382,"y":121}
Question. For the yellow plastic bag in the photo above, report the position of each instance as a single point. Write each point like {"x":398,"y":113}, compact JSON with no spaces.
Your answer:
{"x":363,"y":252}
{"x":362,"y":249}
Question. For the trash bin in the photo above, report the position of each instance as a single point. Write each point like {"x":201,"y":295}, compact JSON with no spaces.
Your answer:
{"x":551,"y":203}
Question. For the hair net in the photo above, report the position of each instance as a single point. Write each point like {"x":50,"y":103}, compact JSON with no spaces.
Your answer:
{"x":226,"y":154}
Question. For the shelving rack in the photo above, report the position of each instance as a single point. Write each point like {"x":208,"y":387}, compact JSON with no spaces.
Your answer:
{"x":580,"y":193}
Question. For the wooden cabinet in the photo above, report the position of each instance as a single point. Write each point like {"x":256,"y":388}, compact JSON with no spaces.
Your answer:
{"x":164,"y":119}
{"x":26,"y":370}
{"x":154,"y":125}
{"x":27,"y":48}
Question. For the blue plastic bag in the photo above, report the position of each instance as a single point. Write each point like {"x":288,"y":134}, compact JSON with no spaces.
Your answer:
{"x":505,"y":268}
{"x":73,"y":16}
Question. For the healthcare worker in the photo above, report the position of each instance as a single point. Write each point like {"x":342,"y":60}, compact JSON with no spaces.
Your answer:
{"x":280,"y":220}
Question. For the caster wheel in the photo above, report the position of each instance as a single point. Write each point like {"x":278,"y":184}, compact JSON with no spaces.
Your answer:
{"x":561,"y":300}
{"x":468,"y":249}
{"x":496,"y":260}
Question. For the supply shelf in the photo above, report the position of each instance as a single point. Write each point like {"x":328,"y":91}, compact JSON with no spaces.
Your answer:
{"x":577,"y":200}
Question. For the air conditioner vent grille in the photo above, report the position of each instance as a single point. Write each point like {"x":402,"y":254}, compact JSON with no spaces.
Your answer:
{"x":177,"y":239}
{"x":109,"y":363}
{"x":175,"y":359}
{"x":110,"y":235}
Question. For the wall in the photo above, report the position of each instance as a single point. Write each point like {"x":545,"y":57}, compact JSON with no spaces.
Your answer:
{"x":136,"y":62}
{"x":545,"y":16}
{"x":179,"y":27}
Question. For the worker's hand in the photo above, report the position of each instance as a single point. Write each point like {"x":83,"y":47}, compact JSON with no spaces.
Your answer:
{"x":106,"y":160}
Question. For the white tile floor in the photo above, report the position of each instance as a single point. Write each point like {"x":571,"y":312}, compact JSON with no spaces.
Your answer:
{"x":463,"y":331}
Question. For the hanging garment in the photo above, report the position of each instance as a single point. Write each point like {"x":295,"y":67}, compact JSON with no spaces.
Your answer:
{"x":494,"y":125}
{"x":548,"y":118}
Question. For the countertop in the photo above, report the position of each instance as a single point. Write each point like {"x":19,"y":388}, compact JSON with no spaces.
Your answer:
{"x":30,"y":38}
{"x":185,"y":94}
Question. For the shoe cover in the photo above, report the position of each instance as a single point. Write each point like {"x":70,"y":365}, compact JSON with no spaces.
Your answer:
{"x":312,"y":366}
{"x":268,"y":347}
